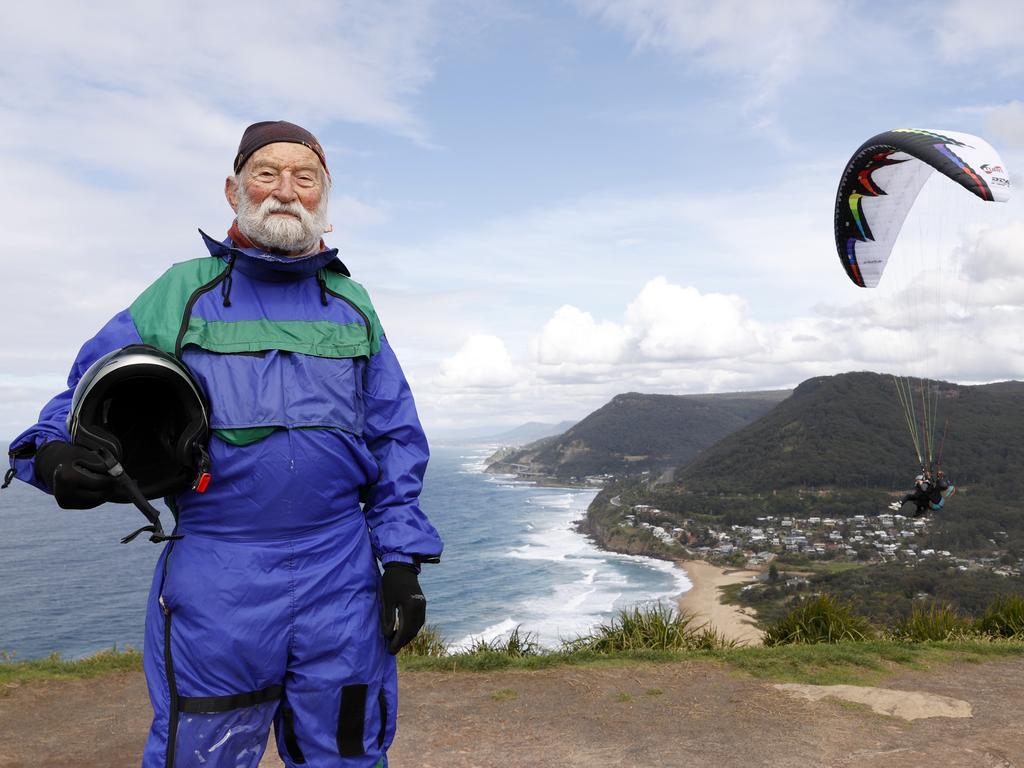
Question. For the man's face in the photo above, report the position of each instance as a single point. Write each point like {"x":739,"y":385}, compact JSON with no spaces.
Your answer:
{"x":280,"y":197}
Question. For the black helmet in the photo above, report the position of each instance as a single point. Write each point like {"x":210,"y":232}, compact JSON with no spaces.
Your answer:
{"x":144,"y":408}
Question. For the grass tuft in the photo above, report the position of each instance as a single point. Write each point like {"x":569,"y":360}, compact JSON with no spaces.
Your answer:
{"x":429,"y":642}
{"x":517,"y":645}
{"x":821,"y":619}
{"x":931,"y":621}
{"x":657,"y":627}
{"x":1003,"y":618}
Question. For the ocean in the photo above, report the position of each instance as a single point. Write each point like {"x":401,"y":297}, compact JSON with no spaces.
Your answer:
{"x":512,"y":558}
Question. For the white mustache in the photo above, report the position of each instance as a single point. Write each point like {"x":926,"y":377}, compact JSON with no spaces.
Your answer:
{"x":271,"y":206}
{"x":292,"y":235}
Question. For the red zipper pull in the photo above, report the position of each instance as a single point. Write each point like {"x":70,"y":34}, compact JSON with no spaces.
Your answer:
{"x":203,"y":482}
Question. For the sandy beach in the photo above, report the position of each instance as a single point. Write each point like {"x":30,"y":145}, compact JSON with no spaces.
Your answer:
{"x":703,"y":600}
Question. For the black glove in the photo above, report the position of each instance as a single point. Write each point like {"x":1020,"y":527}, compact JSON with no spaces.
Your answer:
{"x":77,"y":476}
{"x":405,"y":607}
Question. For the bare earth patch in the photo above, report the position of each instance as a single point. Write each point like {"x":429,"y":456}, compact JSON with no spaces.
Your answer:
{"x":908,"y":705}
{"x":691,"y":714}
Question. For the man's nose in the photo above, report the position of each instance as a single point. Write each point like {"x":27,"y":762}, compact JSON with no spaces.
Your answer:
{"x":285,"y":189}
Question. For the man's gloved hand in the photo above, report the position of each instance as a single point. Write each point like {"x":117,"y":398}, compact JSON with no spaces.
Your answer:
{"x":76,"y":475}
{"x":405,"y":607}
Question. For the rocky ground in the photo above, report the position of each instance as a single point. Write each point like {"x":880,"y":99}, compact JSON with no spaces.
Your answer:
{"x":690,"y":714}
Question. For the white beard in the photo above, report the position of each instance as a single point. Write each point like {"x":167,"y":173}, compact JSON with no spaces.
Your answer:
{"x":294,"y":235}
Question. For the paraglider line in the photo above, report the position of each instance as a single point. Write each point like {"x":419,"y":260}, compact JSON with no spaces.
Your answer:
{"x":942,"y":444}
{"x":907,"y":403}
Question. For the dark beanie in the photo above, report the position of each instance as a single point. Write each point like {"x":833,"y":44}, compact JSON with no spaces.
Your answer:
{"x":272,"y":131}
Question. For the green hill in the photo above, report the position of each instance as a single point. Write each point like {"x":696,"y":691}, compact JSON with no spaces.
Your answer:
{"x":849,"y":431}
{"x":635,"y":433}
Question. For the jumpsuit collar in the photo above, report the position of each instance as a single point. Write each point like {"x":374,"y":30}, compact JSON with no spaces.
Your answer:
{"x":272,"y":267}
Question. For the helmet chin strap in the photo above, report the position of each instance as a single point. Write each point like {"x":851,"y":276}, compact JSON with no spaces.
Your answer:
{"x":116,"y":471}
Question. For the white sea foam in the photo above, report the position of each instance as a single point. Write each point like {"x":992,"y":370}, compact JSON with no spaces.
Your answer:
{"x":596,"y":583}
{"x":501,"y":629}
{"x":475,"y":463}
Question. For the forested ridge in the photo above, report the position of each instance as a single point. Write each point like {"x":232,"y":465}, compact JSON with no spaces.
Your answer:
{"x":849,"y":431}
{"x":635,"y":433}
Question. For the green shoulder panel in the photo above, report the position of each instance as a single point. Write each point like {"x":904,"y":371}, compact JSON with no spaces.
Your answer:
{"x":322,"y":338}
{"x":244,"y":437}
{"x":354,"y":293}
{"x":159,"y":309}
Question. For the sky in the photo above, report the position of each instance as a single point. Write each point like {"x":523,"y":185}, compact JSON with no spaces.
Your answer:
{"x":550,"y":202}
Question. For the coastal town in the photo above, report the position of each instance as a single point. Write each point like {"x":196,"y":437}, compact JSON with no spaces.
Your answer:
{"x":878,"y":538}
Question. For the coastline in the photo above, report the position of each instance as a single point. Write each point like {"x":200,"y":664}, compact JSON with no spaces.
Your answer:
{"x":703,"y":600}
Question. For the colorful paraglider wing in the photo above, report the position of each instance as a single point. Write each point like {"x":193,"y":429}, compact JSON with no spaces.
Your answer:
{"x":884,"y":177}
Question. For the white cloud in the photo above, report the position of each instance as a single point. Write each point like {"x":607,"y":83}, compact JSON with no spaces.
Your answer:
{"x":752,"y":40}
{"x":996,"y":254}
{"x":333,"y":61}
{"x":674,"y":322}
{"x":673,"y":338}
{"x":573,"y":336}
{"x":664,"y":323}
{"x":1006,"y":122}
{"x":991,"y":30}
{"x":482,"y":361}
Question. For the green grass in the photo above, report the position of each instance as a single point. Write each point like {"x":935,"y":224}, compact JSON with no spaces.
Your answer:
{"x":932,"y":621}
{"x":14,"y":672}
{"x":429,"y":642}
{"x":846,"y":663}
{"x":656,"y":627}
{"x":820,"y":619}
{"x":1003,"y":618}
{"x":730,"y":593}
{"x":517,"y":645}
{"x":830,"y":566}
{"x":861,"y":663}
{"x":850,"y":663}
{"x":658,"y":634}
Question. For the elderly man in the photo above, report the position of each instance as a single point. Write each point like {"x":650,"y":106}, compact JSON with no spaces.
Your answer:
{"x":271,"y":607}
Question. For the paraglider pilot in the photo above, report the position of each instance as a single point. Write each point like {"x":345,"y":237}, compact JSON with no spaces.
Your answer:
{"x":268,"y":603}
{"x":921,"y":494}
{"x":928,"y":493}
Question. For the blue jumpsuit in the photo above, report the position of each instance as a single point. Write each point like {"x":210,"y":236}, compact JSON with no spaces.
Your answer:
{"x":269,"y":609}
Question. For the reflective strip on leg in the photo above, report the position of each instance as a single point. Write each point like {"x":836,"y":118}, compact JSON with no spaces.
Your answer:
{"x":351,"y":716}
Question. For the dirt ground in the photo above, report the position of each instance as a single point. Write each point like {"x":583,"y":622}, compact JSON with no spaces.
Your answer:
{"x":690,"y":714}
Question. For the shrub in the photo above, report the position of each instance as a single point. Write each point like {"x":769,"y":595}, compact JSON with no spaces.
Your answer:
{"x":517,"y":645}
{"x":931,"y":621}
{"x":656,"y":627}
{"x":1003,"y":618}
{"x":821,"y":619}
{"x":428,"y":642}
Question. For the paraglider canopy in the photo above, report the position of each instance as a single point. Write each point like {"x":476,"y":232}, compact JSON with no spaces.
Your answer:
{"x":878,"y":188}
{"x":883,"y":178}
